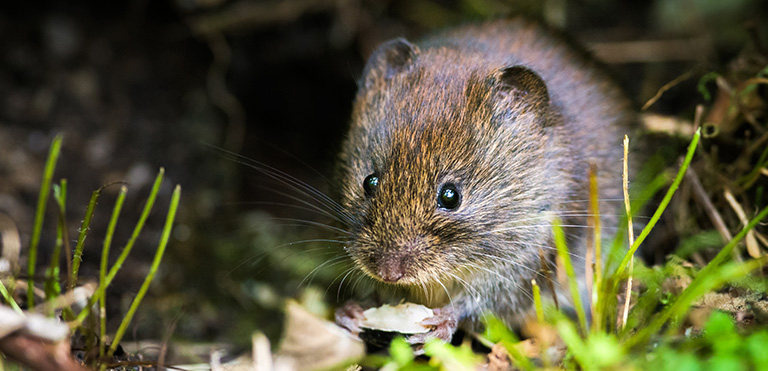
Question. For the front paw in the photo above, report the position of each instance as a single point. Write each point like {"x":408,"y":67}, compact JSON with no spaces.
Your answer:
{"x":350,"y":316}
{"x":444,"y":324}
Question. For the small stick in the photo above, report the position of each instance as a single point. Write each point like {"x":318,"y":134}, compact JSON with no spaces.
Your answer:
{"x":596,"y":247}
{"x":548,"y":277}
{"x":752,"y":247}
{"x":700,"y":195}
{"x":666,"y":87}
{"x":630,"y":233}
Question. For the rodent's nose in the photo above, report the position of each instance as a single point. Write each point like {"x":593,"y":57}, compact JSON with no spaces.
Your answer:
{"x":391,"y":269}
{"x":390,"y":275}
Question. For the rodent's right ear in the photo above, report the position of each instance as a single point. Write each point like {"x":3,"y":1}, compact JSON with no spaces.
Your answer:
{"x":389,"y":59}
{"x":522,"y":82}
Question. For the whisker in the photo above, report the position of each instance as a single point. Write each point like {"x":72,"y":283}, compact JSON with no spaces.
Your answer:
{"x":341,"y":284}
{"x":450,"y":298}
{"x":291,"y":181}
{"x":423,"y":286}
{"x":330,"y":263}
{"x":496,"y":259}
{"x":309,"y":206}
{"x":532,"y":226}
{"x":313,"y":223}
{"x":507,"y":279}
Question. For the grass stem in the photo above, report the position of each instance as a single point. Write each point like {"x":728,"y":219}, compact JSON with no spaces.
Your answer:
{"x":42,"y":202}
{"x":104,"y":264}
{"x":152,"y":271}
{"x":127,"y":249}
{"x":77,"y":257}
{"x":662,"y":205}
{"x":562,"y":252}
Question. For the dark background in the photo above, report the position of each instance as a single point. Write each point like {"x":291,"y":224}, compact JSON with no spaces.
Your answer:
{"x":135,"y":85}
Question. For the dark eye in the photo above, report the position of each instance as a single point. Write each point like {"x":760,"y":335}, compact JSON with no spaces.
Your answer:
{"x":370,"y":184}
{"x":449,"y":197}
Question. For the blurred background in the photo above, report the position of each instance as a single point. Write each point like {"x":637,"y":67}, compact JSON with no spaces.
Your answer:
{"x":135,"y":85}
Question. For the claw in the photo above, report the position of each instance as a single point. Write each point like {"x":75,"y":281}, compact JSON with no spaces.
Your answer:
{"x":350,"y":316}
{"x":444,"y":324}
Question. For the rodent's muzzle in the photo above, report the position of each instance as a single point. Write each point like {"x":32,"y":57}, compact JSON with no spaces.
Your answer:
{"x":392,"y":268}
{"x":398,"y":263}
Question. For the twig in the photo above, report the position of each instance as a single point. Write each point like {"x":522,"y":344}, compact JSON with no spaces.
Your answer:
{"x":664,"y":201}
{"x":667,"y":124}
{"x":758,"y":144}
{"x":752,"y":247}
{"x":11,"y":243}
{"x":652,"y":50}
{"x":548,"y":277}
{"x":666,"y":87}
{"x":630,"y":232}
{"x":701,"y":197}
{"x":166,"y":338}
{"x":594,"y":222}
{"x":220,"y":94}
{"x":248,"y":15}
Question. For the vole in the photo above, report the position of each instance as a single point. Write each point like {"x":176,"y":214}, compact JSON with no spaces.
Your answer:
{"x":461,"y":151}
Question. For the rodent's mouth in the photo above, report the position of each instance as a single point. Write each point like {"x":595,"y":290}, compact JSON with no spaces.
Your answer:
{"x":402,"y":264}
{"x":405,"y":275}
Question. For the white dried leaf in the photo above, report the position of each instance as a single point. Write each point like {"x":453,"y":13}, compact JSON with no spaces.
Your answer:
{"x":404,"y":318}
{"x":10,"y":321}
{"x":46,"y":328}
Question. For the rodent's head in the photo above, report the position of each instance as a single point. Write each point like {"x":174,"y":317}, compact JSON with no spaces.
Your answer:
{"x":445,"y":169}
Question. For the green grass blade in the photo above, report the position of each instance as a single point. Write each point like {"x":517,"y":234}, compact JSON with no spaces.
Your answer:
{"x":495,"y":331}
{"x":726,"y":251}
{"x":662,"y":206}
{"x":104,"y":264}
{"x":574,"y":342}
{"x":52,"y":286}
{"x":537,"y":301}
{"x":139,"y":226}
{"x":153,"y":270}
{"x":700,"y":286}
{"x":606,"y":308}
{"x":7,"y":296}
{"x":562,"y":252}
{"x":619,"y":241}
{"x":84,"y":226}
{"x":710,"y":277}
{"x":128,"y":246}
{"x":42,"y":202}
{"x":746,"y":181}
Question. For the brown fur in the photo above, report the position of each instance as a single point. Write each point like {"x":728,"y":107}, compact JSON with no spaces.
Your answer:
{"x":463,"y":107}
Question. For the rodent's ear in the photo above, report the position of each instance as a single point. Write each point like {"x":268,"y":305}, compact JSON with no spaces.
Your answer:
{"x":522,"y":83}
{"x":389,"y":59}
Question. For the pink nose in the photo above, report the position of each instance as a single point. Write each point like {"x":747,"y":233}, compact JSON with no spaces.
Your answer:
{"x":390,"y":275}
{"x":391,"y":269}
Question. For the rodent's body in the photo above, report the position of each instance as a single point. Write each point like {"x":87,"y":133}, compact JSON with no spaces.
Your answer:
{"x":505,"y":118}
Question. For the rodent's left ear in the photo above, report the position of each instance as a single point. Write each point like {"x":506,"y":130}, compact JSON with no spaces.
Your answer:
{"x":389,"y":59}
{"x":522,"y":83}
